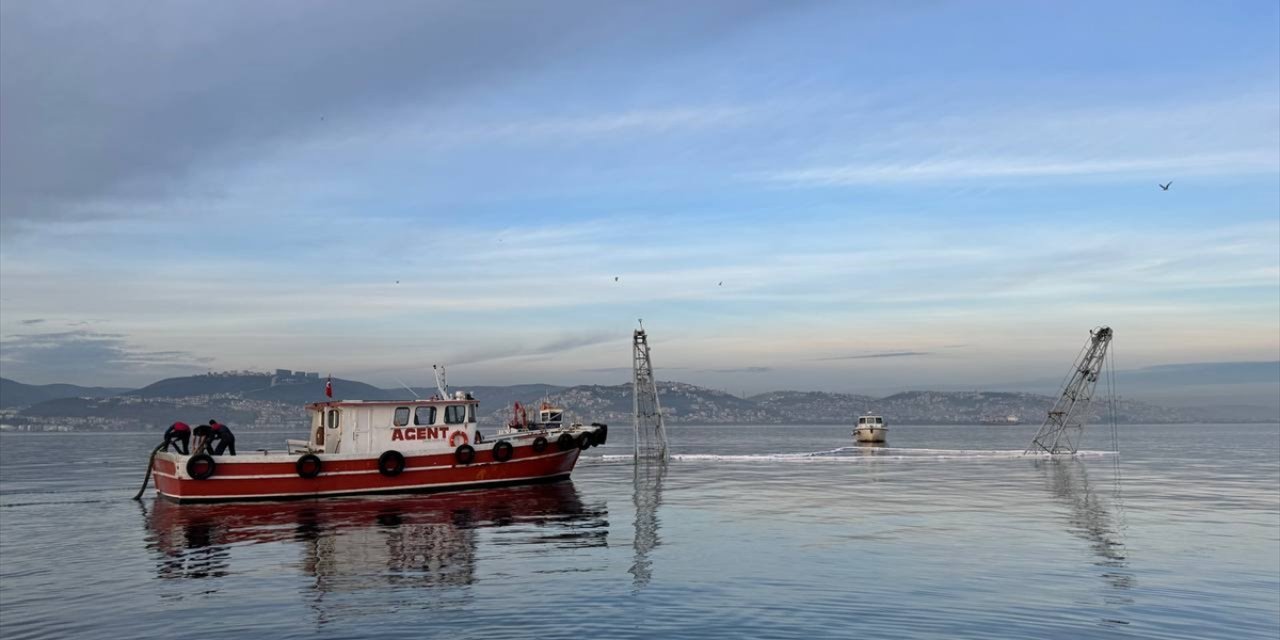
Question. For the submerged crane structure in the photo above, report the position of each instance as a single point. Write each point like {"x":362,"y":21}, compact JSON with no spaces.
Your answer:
{"x":651,"y":433}
{"x":1063,"y":428}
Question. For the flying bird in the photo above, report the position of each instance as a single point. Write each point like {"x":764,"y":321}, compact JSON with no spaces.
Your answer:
{"x":615,"y":278}
{"x":1165,"y":187}
{"x":721,"y":284}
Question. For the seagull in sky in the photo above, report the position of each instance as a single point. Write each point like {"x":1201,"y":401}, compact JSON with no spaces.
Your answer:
{"x":1165,"y":187}
{"x":721,"y":284}
{"x":615,"y":278}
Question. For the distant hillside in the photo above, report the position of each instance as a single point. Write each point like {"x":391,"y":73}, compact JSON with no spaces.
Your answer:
{"x":498,"y":399}
{"x":17,"y":394}
{"x":127,"y":412}
{"x":203,"y":385}
{"x":966,"y":407}
{"x":1228,"y":390}
{"x":266,"y":401}
{"x":239,"y":399}
{"x":683,"y":403}
{"x":815,"y":406}
{"x":262,"y":386}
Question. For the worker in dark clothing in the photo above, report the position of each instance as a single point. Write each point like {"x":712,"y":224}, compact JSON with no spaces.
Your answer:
{"x":179,"y":435}
{"x":226,"y":441}
{"x":200,"y":439}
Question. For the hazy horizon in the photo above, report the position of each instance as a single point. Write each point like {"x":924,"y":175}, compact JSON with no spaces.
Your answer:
{"x":1190,"y":385}
{"x":791,"y":195}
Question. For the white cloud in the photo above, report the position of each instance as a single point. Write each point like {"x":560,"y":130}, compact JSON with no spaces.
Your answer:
{"x":973,"y":168}
{"x":633,"y":122}
{"x":440,"y":131}
{"x":1238,"y":135}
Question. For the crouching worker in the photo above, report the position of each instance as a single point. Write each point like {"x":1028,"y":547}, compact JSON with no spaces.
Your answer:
{"x":221,"y":439}
{"x":179,"y":435}
{"x":200,"y":439}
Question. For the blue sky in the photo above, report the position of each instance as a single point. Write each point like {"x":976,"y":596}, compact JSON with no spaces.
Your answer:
{"x":839,"y":196}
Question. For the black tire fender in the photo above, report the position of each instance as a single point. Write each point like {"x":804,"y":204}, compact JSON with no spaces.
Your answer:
{"x":201,"y":466}
{"x":564,"y":442}
{"x":601,"y":435}
{"x":539,"y":444}
{"x":391,"y":463}
{"x":308,"y":466}
{"x":464,"y":454}
{"x":584,"y":441}
{"x":502,"y":451}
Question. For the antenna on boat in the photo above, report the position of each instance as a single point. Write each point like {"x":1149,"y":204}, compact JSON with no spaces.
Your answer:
{"x":1064,"y":427}
{"x":650,"y":432}
{"x":408,"y":388}
{"x":441,"y":382}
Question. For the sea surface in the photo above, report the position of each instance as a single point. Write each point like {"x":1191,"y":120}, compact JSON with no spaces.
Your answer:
{"x":947,"y":534}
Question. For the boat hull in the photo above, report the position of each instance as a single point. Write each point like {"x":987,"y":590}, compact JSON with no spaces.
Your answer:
{"x":274,"y":476}
{"x":869,"y":434}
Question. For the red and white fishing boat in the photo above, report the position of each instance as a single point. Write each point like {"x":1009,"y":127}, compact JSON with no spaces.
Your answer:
{"x":367,"y":447}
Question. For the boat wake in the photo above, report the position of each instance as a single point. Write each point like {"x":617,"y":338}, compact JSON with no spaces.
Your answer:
{"x":862,"y":454}
{"x":43,"y":503}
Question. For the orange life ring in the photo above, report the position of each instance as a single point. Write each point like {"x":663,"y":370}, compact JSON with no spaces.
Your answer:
{"x":453,"y":438}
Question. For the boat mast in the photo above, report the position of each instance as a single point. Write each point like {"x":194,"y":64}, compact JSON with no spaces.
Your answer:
{"x":442,"y":384}
{"x":650,"y":432}
{"x":1063,"y":428}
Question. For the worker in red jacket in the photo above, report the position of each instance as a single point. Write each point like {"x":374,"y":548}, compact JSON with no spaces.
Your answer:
{"x":179,"y":435}
{"x":226,"y":441}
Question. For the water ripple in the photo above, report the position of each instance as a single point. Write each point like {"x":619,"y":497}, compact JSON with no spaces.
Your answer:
{"x":950,"y":533}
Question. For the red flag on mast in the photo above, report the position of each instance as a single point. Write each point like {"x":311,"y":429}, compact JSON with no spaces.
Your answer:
{"x":328,"y":387}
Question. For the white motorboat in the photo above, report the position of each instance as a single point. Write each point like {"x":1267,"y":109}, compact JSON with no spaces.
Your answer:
{"x":870,"y":429}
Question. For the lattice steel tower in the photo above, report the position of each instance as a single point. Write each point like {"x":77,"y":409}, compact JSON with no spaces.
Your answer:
{"x":1064,"y":427}
{"x":651,"y":434}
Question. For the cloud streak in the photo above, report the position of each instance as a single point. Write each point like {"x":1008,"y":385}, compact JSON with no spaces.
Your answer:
{"x":984,"y":168}
{"x":886,"y":354}
{"x":1235,"y":135}
{"x":79,"y":356}
{"x":200,"y":99}
{"x":560,"y":129}
{"x":560,"y":345}
{"x":626,"y":370}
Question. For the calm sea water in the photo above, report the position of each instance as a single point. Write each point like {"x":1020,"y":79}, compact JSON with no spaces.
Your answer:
{"x":1178,"y":538}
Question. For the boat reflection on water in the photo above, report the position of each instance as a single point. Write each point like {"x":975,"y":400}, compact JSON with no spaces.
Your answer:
{"x":192,"y":551}
{"x":360,"y":543}
{"x":647,"y":497}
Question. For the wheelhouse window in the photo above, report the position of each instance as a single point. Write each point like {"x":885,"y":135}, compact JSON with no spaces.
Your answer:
{"x":424,"y":415}
{"x":471,"y":413}
{"x":402,"y":416}
{"x":333,"y":419}
{"x":455,"y":414}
